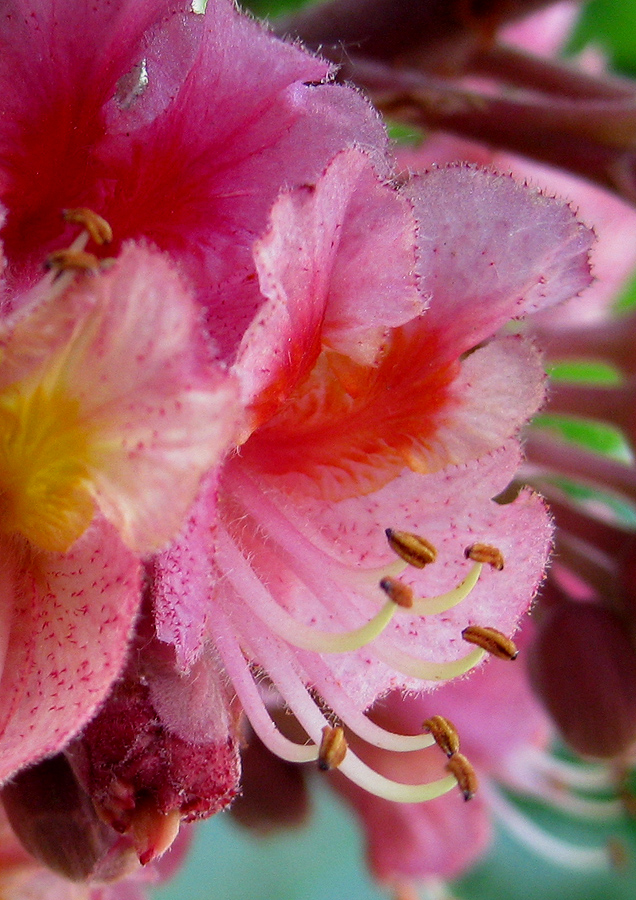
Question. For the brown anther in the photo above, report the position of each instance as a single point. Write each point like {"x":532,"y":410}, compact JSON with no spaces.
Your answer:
{"x":398,"y":592}
{"x":484,"y":553}
{"x":491,"y":640}
{"x":62,"y":260}
{"x":333,"y":748}
{"x":444,"y":734}
{"x":96,"y":225}
{"x":414,"y":550}
{"x":463,"y":771}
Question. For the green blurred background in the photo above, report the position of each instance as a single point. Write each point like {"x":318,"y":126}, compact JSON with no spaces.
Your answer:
{"x":325,"y":859}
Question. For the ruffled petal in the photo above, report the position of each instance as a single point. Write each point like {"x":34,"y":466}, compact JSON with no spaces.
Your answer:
{"x":337,"y":268}
{"x":491,"y":250}
{"x":160,"y":415}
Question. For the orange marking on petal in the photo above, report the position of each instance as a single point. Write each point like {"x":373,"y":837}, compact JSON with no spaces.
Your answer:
{"x":351,"y":428}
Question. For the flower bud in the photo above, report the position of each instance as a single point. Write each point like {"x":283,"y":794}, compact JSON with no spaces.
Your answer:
{"x":583,"y":666}
{"x":56,"y":822}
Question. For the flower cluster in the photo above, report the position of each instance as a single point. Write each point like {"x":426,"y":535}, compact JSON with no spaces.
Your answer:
{"x":254,"y":419}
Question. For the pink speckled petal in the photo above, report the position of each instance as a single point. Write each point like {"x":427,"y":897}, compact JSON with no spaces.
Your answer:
{"x":66,"y":643}
{"x":161,"y":414}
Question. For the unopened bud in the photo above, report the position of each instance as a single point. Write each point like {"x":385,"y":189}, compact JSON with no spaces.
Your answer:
{"x":414,"y":550}
{"x":491,"y":640}
{"x":333,"y":748}
{"x":56,"y":822}
{"x":484,"y":553}
{"x":583,"y":666}
{"x":463,"y":771}
{"x":444,"y":734}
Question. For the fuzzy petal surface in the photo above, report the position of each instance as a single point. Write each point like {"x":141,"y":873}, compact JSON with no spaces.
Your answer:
{"x":161,"y":414}
{"x":309,"y":556}
{"x":65,"y":641}
{"x":491,"y":250}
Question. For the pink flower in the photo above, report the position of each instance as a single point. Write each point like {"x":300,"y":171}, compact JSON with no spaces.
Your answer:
{"x":358,"y":423}
{"x":91,"y":450}
{"x":340,"y":372}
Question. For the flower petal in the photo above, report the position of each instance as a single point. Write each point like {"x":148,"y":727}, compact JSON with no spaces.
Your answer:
{"x":162,"y":416}
{"x":66,"y":642}
{"x":60,"y":64}
{"x":491,"y":250}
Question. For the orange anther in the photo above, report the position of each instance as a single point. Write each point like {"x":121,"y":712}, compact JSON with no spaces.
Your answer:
{"x":491,"y":640}
{"x":484,"y":553}
{"x":333,"y":748}
{"x":96,"y":225}
{"x":412,"y":548}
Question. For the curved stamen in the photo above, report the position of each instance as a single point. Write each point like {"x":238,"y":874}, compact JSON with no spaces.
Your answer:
{"x":430,"y":606}
{"x":253,"y":704}
{"x":298,"y":699}
{"x":396,"y":791}
{"x":358,"y":722}
{"x":569,"y":856}
{"x":425,"y":670}
{"x":305,"y":637}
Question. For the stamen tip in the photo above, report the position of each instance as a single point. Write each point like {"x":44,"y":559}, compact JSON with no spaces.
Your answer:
{"x":333,"y":748}
{"x":398,"y":592}
{"x":465,"y":774}
{"x":492,"y":641}
{"x":413,"y":549}
{"x":98,"y":228}
{"x":444,"y":734}
{"x":485,"y":553}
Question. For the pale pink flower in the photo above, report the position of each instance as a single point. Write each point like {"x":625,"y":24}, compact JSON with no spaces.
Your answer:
{"x":361,"y":417}
{"x":91,"y":451}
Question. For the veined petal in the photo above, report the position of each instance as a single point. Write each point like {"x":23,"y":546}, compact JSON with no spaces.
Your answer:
{"x":337,"y":268}
{"x":66,"y":639}
{"x":491,"y":250}
{"x":161,"y":416}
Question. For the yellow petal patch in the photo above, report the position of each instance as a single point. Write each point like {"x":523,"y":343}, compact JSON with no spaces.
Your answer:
{"x":44,"y":454}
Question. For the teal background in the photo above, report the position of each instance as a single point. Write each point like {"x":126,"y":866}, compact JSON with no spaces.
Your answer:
{"x":325,"y":860}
